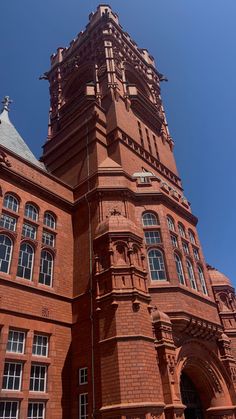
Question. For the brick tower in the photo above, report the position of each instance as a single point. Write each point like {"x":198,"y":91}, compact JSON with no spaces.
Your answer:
{"x":109,"y":310}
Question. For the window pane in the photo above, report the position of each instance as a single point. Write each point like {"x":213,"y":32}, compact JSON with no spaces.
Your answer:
{"x":5,"y":253}
{"x":49,"y":220}
{"x":31,"y":212}
{"x":12,"y":376}
{"x":48,"y":238}
{"x":191,"y":275}
{"x":15,"y":341}
{"x":170,"y":224}
{"x":46,"y":266}
{"x":38,"y":378}
{"x":36,"y":410}
{"x":156,"y":265}
{"x":25,"y":262}
{"x":152,"y":237}
{"x":40,"y":345}
{"x":179,"y":269}
{"x":149,"y":219}
{"x":8,"y":410}
{"x":8,"y":222}
{"x":11,"y":202}
{"x":29,"y":230}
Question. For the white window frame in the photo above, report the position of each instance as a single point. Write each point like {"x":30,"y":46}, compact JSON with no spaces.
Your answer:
{"x":191,"y":275}
{"x":185,"y":247}
{"x":196,"y":254}
{"x":202,"y":280}
{"x":154,"y":237}
{"x":33,"y":403}
{"x":5,"y":402}
{"x":179,"y":268}
{"x":26,"y":267}
{"x":170,"y":223}
{"x":43,"y":275}
{"x":192,"y":237}
{"x":181,"y":230}
{"x":31,"y":212}
{"x":14,"y":376}
{"x":83,"y":375}
{"x":9,"y":204}
{"x":27,"y":230}
{"x":83,"y":403}
{"x":37,"y":345}
{"x":38,"y":379}
{"x":7,"y":221}
{"x":149,"y":219}
{"x":8,"y":253}
{"x":161,"y":263}
{"x":51,"y":221}
{"x":48,"y":241}
{"x":16,"y":334}
{"x":174,"y":241}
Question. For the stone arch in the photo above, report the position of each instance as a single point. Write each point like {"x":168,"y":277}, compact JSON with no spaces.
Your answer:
{"x":208,"y":375}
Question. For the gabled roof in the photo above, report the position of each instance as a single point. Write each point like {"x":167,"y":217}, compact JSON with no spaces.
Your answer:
{"x":12,"y":140}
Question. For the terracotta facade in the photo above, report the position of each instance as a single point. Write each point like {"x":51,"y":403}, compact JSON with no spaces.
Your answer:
{"x":108,"y":308}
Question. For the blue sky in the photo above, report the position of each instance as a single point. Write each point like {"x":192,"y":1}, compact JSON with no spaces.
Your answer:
{"x":193,"y":43}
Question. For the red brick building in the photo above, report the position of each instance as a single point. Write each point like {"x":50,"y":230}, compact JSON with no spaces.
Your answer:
{"x":108,"y":309}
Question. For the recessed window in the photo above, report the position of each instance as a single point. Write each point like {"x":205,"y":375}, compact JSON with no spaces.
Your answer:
{"x":170,"y":223}
{"x":38,"y":378}
{"x":11,"y":203}
{"x":5,"y":253}
{"x":196,"y":253}
{"x":12,"y":376}
{"x":49,"y":220}
{"x":83,"y":376}
{"x":179,"y":269}
{"x":202,"y":280}
{"x":152,"y":237}
{"x":40,"y":345}
{"x":46,"y":268}
{"x":149,"y":219}
{"x":16,"y":342}
{"x":29,"y":230}
{"x":191,"y":237}
{"x":185,"y":248}
{"x":25,"y":262}
{"x":31,"y":212}
{"x":156,"y":265}
{"x":36,"y":410}
{"x":181,"y":230}
{"x":9,"y":409}
{"x":8,"y":222}
{"x":48,"y":238}
{"x":174,"y":240}
{"x":191,"y":275}
{"x":83,"y":406}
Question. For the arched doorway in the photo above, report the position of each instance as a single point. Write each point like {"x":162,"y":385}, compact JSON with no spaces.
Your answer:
{"x":190,"y":398}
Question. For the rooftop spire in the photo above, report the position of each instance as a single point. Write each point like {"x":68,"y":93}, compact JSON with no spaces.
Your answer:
{"x":6,"y":102}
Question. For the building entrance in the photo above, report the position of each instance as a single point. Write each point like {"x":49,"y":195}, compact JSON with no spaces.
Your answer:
{"x":190,"y":398}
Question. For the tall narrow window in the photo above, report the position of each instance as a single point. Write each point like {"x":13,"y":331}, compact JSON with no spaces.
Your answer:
{"x":148,"y":140}
{"x":11,"y":203}
{"x":202,"y":280}
{"x":140,"y":134}
{"x":170,"y":223}
{"x":156,"y":265}
{"x":38,"y":377}
{"x":191,"y":237}
{"x":150,"y":219}
{"x":12,"y":376}
{"x":16,"y":342}
{"x":181,"y":229}
{"x":49,"y":220}
{"x":179,"y":269}
{"x":46,"y":266}
{"x":83,"y":406}
{"x":36,"y":410}
{"x":5,"y":253}
{"x":156,"y":149}
{"x":25,"y":263}
{"x":9,"y":410}
{"x":31,"y":212}
{"x":174,"y":240}
{"x":191,"y":275}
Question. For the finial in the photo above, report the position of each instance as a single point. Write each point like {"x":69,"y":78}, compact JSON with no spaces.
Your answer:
{"x":6,"y":102}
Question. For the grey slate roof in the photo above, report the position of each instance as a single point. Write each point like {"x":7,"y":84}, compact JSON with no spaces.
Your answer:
{"x":11,"y":139}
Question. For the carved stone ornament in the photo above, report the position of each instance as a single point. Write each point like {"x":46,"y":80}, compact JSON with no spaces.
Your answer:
{"x":4,"y":160}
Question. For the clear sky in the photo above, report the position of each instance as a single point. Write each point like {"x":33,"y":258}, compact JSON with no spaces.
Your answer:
{"x":193,"y":42}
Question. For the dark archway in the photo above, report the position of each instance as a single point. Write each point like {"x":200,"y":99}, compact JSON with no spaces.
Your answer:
{"x":190,"y":398}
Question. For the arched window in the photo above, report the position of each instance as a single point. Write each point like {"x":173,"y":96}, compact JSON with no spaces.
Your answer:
{"x":46,"y":267}
{"x":191,"y":275}
{"x":156,"y":265}
{"x":49,"y":220}
{"x":11,"y":202}
{"x":181,"y":230}
{"x":150,"y":219}
{"x":25,"y":262}
{"x":179,"y":269}
{"x":31,"y":212}
{"x":191,"y":237}
{"x":5,"y":253}
{"x":170,"y":223}
{"x":202,"y":280}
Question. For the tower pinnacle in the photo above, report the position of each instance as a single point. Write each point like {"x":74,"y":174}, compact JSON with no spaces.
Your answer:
{"x":6,"y":102}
